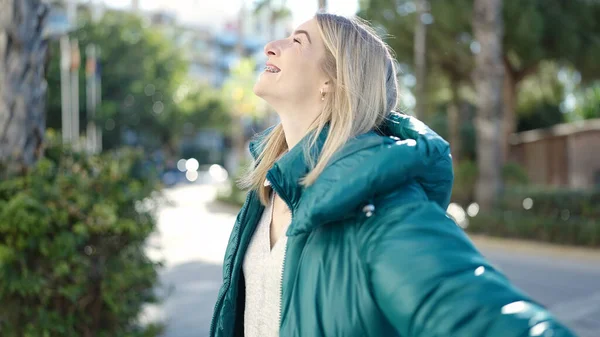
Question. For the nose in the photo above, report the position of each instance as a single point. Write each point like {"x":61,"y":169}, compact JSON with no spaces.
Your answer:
{"x":271,"y":49}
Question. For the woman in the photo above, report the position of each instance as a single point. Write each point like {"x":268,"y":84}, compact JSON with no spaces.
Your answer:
{"x":344,"y":231}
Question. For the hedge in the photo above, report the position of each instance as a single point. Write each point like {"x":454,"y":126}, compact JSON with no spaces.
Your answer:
{"x":72,"y":258}
{"x":562,"y":216}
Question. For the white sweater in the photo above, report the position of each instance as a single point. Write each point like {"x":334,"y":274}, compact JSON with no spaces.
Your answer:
{"x":263,"y":272}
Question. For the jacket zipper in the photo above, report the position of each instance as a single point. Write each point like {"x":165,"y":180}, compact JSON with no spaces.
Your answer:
{"x":277,"y":189}
{"x":226,"y":286}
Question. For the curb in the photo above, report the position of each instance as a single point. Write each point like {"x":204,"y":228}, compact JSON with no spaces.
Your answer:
{"x":534,"y":248}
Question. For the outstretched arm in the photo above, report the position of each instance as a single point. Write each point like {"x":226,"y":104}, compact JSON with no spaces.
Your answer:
{"x":430,"y":281}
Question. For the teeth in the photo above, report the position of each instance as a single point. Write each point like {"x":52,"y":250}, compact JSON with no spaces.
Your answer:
{"x":271,"y":69}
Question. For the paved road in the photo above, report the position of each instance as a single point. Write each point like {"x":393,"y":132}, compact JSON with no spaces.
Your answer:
{"x":570,"y":288}
{"x":194,"y":232}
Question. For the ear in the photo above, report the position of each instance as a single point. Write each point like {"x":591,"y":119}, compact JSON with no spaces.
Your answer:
{"x":326,"y":87}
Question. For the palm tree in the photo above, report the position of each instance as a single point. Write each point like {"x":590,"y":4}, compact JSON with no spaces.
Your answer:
{"x":489,"y":76}
{"x":23,"y":52}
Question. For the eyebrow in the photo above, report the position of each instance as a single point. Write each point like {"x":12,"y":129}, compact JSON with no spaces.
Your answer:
{"x":300,"y":31}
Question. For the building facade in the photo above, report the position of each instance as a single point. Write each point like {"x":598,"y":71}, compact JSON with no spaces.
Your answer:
{"x":214,"y":50}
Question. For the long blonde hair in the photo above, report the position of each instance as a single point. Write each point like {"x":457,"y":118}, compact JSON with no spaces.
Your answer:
{"x":364,"y":91}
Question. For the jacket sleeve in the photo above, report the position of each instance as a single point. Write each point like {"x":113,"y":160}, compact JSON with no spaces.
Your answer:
{"x":430,"y":281}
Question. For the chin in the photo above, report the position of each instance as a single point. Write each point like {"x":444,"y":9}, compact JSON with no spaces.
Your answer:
{"x":262,"y":91}
{"x":258,"y":91}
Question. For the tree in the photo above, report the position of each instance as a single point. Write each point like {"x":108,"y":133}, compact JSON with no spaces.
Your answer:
{"x":448,"y":58}
{"x":238,"y":91}
{"x":587,"y":103}
{"x":563,"y":31}
{"x":420,"y":47}
{"x":276,"y":13}
{"x":540,"y":98}
{"x":243,"y":104}
{"x":141,"y":71}
{"x":322,"y":5}
{"x":488,"y":77}
{"x":23,"y":52}
{"x":200,"y":107}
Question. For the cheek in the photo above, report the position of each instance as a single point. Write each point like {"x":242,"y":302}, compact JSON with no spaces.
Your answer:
{"x":306,"y":71}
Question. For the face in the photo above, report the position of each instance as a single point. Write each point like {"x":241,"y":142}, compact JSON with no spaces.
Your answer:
{"x":293,"y":71}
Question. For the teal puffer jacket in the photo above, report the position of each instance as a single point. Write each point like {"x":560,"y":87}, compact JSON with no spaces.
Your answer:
{"x":371,"y":251}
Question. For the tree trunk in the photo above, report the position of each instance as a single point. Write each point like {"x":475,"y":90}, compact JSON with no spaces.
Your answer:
{"x":323,"y":5}
{"x":454,"y":124}
{"x":420,"y":46}
{"x":510,"y":108}
{"x":488,"y":77}
{"x":23,"y":52}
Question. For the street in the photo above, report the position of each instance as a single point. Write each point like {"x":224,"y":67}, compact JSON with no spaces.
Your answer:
{"x":194,"y":231}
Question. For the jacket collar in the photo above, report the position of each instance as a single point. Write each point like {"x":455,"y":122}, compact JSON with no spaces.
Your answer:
{"x":286,"y":173}
{"x":374,"y":163}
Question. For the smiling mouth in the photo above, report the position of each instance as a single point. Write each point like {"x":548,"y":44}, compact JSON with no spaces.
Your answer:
{"x":271,"y":69}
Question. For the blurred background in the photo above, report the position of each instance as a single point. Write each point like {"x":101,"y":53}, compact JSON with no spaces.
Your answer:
{"x":124,"y":123}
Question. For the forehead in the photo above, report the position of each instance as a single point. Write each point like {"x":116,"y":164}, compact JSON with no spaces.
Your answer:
{"x":312,"y":28}
{"x":309,"y":25}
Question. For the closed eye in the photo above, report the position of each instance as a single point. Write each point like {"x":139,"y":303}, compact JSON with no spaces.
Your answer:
{"x":297,"y":41}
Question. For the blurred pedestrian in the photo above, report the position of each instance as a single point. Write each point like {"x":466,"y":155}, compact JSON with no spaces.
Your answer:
{"x":344,"y":230}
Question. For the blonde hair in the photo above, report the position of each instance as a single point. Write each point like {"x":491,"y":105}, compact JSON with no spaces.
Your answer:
{"x":364,"y":91}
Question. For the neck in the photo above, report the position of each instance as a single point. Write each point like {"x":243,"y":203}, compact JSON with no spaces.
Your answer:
{"x":296,"y":121}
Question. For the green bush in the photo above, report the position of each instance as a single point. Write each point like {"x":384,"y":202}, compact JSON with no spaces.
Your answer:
{"x":578,"y":232}
{"x":231,"y":193}
{"x":72,"y":259}
{"x":465,"y":178}
{"x":514,"y":174}
{"x":561,"y":216}
{"x":554,"y":203}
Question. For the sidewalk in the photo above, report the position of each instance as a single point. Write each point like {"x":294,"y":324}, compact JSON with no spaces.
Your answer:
{"x":535,"y":248}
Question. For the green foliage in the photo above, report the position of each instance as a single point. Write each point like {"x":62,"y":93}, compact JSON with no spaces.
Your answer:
{"x":535,"y":31}
{"x":588,"y":103}
{"x":277,"y":11}
{"x":72,"y":234}
{"x":555,"y":202}
{"x":439,"y":123}
{"x":465,"y":179}
{"x":448,"y":37}
{"x":200,"y":107}
{"x":514,"y":175}
{"x":238,"y":91}
{"x":231,"y":193}
{"x":582,"y":232}
{"x":542,"y":115}
{"x":143,"y":74}
{"x":540,"y":96}
{"x":554,"y":215}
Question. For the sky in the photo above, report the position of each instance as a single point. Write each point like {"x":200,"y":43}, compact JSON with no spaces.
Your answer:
{"x":214,"y":13}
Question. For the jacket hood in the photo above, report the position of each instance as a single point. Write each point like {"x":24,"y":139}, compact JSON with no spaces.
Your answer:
{"x":369,"y":165}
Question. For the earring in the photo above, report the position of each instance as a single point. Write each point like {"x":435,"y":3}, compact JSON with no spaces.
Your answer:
{"x":322,"y":94}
